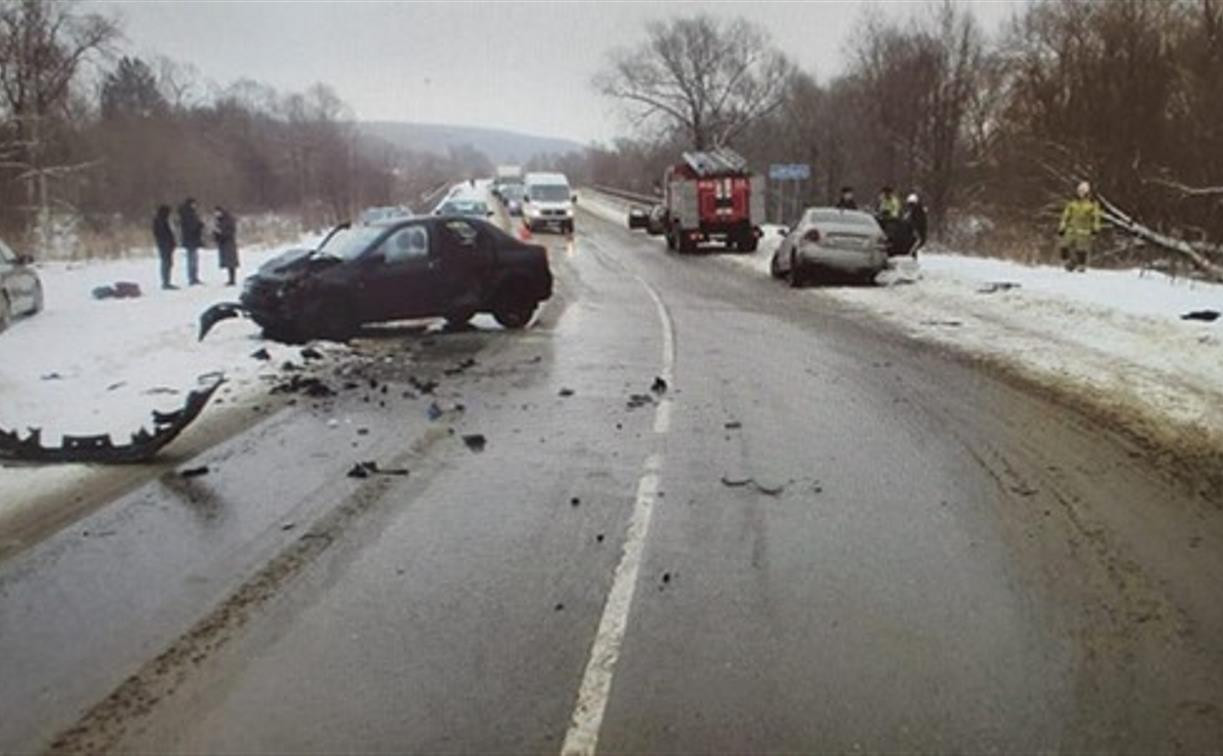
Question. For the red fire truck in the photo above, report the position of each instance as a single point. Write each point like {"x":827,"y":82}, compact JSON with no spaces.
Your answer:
{"x":711,"y":196}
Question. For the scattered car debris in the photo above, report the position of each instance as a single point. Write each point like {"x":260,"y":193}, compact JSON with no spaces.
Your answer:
{"x":143,"y":445}
{"x":764,"y":488}
{"x":306,"y":385}
{"x":475,"y":441}
{"x":118,"y":385}
{"x":659,"y":386}
{"x":433,"y":411}
{"x":599,"y":538}
{"x":575,"y":501}
{"x":558,"y":608}
{"x":735,"y":482}
{"x":161,"y":390}
{"x":462,"y":367}
{"x":366,"y":469}
{"x":310,"y":353}
{"x":639,"y":400}
{"x":261,"y":354}
{"x":289,"y":366}
{"x":217,"y":313}
{"x":1207,"y":316}
{"x":424,"y":387}
{"x":732,"y":425}
{"x":51,"y":377}
{"x":947,"y":323}
{"x":120,"y":290}
{"x":194,"y":472}
{"x":996,"y":286}
{"x":565,"y":392}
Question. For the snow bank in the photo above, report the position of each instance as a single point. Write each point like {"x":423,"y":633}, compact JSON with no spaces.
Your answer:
{"x":86,"y":366}
{"x":1112,"y":338}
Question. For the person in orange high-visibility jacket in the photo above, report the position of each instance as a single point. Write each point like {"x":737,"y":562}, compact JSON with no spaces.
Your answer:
{"x":1081,"y":221}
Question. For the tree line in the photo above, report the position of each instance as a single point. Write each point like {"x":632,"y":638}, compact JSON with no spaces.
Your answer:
{"x":991,"y":131}
{"x":92,"y":140}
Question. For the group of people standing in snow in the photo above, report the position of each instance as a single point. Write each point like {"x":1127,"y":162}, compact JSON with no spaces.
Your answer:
{"x":905,"y":225}
{"x":191,"y":238}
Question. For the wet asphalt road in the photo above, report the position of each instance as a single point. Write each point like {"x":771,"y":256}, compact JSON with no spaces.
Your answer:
{"x":835,"y":540}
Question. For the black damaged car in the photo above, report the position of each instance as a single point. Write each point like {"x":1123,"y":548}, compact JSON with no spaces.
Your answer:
{"x":447,"y":266}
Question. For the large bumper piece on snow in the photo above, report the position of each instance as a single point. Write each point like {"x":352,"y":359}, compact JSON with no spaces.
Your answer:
{"x":143,"y":446}
{"x":217,"y":313}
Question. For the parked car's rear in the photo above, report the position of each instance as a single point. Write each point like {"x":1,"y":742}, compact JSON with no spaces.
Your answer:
{"x":831,"y":241}
{"x":20,"y":289}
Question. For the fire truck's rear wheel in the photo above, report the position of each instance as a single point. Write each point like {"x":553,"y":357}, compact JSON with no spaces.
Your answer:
{"x":746,"y":242}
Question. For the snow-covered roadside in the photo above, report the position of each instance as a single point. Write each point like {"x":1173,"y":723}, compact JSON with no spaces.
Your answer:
{"x":1113,"y":338}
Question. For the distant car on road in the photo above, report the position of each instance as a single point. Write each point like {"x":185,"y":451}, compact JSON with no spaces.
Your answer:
{"x":548,"y":200}
{"x":472,"y":208}
{"x":448,"y":266}
{"x":511,"y":196}
{"x":373,"y":215}
{"x":653,"y":219}
{"x":20,"y":289}
{"x":833,"y":242}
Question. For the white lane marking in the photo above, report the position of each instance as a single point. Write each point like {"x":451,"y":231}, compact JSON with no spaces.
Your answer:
{"x":582,"y":737}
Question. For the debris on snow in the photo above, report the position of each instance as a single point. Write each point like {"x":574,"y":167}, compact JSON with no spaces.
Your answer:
{"x":732,"y":425}
{"x":1208,"y":316}
{"x":261,"y":354}
{"x":310,"y":353}
{"x":565,"y":392}
{"x":735,"y":482}
{"x":659,"y":386}
{"x":366,"y":469}
{"x":100,"y":448}
{"x":194,"y":472}
{"x":996,"y":286}
{"x":639,"y":400}
{"x":475,"y":442}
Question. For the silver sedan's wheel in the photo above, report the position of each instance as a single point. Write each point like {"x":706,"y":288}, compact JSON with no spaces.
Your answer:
{"x":795,"y":274}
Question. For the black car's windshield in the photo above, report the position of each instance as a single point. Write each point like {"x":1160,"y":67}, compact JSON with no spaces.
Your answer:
{"x":550,"y":193}
{"x":350,"y":242}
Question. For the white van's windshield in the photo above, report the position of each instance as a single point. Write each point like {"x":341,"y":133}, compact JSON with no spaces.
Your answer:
{"x":549,"y":192}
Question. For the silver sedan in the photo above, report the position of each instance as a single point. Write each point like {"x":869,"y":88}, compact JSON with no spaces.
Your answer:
{"x":834,"y":242}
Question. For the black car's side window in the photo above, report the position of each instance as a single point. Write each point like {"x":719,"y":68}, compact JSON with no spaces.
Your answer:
{"x":411,"y":243}
{"x":463,"y":233}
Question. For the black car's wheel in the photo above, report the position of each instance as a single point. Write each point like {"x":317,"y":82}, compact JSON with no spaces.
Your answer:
{"x":331,"y":319}
{"x":459,"y":318}
{"x":795,"y":274}
{"x":513,"y":311}
{"x":747,"y":242}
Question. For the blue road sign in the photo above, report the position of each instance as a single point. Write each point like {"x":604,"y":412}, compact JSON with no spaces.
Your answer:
{"x":790,"y":171}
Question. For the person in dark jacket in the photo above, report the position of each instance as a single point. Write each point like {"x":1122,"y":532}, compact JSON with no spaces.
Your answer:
{"x":225,"y":234}
{"x":163,"y":235}
{"x":914,"y":215}
{"x":847,"y":201}
{"x":191,"y":232}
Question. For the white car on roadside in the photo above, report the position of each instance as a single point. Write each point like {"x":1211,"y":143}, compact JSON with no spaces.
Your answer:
{"x":831,"y":242}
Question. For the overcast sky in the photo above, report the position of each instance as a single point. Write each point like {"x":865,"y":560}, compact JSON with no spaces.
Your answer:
{"x":518,"y":65}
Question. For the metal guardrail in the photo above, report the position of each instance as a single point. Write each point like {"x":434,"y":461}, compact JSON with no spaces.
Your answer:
{"x":647,"y":199}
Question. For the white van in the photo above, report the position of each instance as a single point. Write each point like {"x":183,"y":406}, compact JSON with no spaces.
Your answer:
{"x":548,"y":200}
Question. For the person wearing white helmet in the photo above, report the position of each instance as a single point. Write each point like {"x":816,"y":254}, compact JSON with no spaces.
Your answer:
{"x":1081,"y":221}
{"x":914,"y":215}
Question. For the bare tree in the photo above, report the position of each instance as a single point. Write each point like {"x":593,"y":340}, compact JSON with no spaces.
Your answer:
{"x":709,"y":78}
{"x":43,"y":45}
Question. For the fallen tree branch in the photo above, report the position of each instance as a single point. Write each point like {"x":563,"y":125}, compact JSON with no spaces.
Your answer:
{"x":1195,"y":252}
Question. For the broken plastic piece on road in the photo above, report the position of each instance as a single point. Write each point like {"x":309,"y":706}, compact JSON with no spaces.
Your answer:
{"x":218,"y":312}
{"x":143,"y":445}
{"x":1207,"y":316}
{"x":261,"y":354}
{"x":565,"y":392}
{"x":194,"y":472}
{"x":996,"y":286}
{"x":732,"y":425}
{"x":475,"y":441}
{"x":659,"y":386}
{"x":310,"y":353}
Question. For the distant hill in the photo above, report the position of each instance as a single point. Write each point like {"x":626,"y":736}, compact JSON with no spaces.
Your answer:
{"x":499,"y":145}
